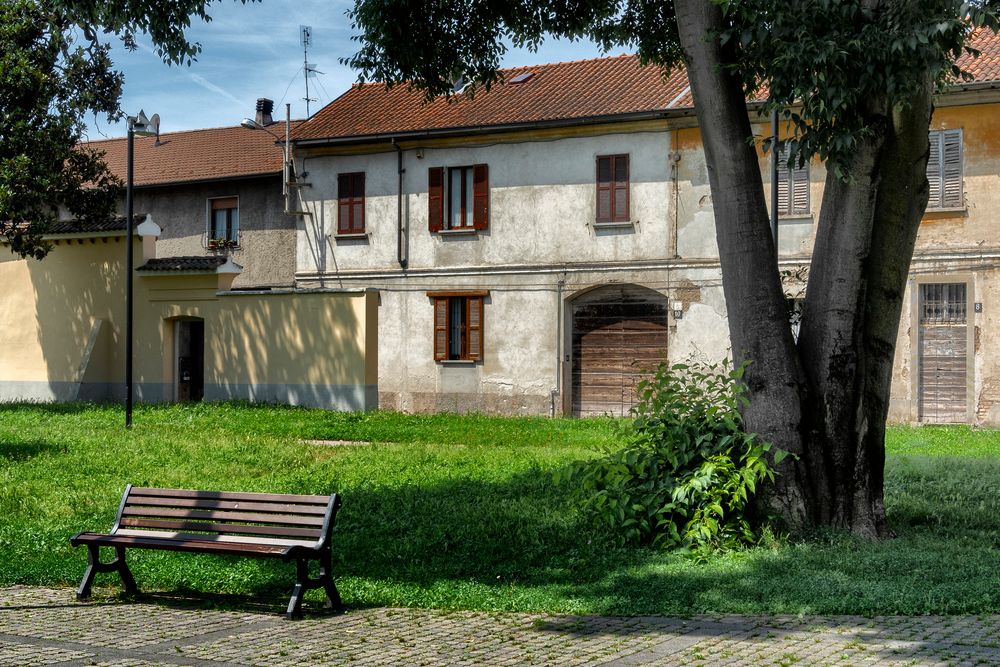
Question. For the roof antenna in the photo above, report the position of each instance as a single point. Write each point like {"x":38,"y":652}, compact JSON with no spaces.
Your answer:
{"x":308,"y":68}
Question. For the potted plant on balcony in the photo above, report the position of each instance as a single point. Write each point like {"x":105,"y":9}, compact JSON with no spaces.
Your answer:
{"x":222,"y":246}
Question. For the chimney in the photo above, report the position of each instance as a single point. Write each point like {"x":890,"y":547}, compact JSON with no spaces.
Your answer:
{"x":264,"y":109}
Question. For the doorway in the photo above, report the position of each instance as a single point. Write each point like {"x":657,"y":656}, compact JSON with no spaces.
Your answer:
{"x":189,"y":360}
{"x":943,"y":353}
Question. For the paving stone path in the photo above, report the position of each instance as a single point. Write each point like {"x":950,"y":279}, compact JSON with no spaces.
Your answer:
{"x":48,"y":627}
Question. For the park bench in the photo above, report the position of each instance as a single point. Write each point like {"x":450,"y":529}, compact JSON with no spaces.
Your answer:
{"x":257,"y":525}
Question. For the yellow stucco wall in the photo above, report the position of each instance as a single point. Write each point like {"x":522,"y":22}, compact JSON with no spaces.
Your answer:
{"x":313,"y":348}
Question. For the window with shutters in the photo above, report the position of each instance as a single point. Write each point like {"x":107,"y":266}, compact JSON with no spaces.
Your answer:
{"x":793,"y":187}
{"x":351,"y":203}
{"x":944,"y":170}
{"x":459,"y":198}
{"x":612,"y":189}
{"x":223,"y":220}
{"x":458,"y":325}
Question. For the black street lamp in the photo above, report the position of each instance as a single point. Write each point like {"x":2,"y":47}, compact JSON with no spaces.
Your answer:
{"x":144,"y":127}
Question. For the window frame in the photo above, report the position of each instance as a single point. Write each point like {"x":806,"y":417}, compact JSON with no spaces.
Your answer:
{"x":613,"y":216}
{"x":439,"y":199}
{"x":232,"y":228}
{"x":350,"y":201}
{"x":467,"y":175}
{"x":472,"y":327}
{"x":793,"y":179}
{"x":940,"y":137}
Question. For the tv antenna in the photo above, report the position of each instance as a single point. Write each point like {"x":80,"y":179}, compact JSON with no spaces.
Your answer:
{"x":308,"y":68}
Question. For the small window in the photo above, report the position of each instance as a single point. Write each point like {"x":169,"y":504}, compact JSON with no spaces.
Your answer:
{"x":351,"y":203}
{"x":793,"y":186}
{"x":459,"y":198}
{"x":613,"y":188}
{"x":458,"y":326}
{"x":224,"y":220}
{"x":944,"y":170}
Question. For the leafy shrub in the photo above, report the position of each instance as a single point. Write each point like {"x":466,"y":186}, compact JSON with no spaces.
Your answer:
{"x":688,"y":471}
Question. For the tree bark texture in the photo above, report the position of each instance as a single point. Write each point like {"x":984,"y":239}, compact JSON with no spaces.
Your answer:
{"x":825,"y":398}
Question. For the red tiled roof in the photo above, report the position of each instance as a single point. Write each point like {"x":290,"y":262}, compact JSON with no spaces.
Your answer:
{"x":196,"y":155}
{"x":561,"y":91}
{"x":584,"y":89}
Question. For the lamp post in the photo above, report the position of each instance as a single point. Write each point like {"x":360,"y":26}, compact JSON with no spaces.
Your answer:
{"x":144,"y":127}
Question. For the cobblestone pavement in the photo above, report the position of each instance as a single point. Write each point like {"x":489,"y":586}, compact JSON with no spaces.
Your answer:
{"x":48,"y":627}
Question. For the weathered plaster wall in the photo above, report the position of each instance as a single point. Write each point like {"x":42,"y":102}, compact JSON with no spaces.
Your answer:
{"x":267,"y":235}
{"x":542,"y":206}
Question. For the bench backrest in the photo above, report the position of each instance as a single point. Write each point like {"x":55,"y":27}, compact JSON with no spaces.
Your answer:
{"x":264,"y":515}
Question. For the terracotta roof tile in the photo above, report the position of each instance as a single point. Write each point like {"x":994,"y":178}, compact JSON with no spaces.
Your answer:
{"x":196,"y":155}
{"x":561,"y":91}
{"x":186,"y":263}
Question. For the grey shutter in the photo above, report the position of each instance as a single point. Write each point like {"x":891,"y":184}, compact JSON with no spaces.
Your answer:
{"x":934,"y":170}
{"x":800,"y":190}
{"x":784,"y":184}
{"x":951,"y":172}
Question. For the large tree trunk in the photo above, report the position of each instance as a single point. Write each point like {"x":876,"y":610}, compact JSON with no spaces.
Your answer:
{"x":825,"y":400}
{"x":755,"y":304}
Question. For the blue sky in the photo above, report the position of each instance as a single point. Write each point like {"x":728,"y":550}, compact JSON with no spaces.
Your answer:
{"x":251,"y":51}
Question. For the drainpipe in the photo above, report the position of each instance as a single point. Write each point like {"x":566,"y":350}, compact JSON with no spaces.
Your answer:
{"x":400,"y":239}
{"x":559,"y":343}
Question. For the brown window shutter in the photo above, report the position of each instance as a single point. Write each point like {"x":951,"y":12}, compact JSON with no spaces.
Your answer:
{"x":604,"y":189}
{"x":435,"y":198}
{"x":619,"y":200}
{"x":440,"y":329}
{"x":480,"y":196}
{"x":474,"y":321}
{"x":343,"y":203}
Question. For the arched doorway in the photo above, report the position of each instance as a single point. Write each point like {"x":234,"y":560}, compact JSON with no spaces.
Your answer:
{"x":619,"y":336}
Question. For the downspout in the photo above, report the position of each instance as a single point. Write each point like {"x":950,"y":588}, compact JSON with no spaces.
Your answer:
{"x":559,"y":344}
{"x":401,"y":249}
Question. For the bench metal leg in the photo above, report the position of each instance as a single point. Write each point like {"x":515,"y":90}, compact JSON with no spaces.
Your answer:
{"x":305,"y":583}
{"x":326,"y":576}
{"x":94,"y":565}
{"x":301,"y":586}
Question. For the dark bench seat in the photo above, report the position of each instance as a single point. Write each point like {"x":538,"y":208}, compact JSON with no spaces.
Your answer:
{"x":256,"y":525}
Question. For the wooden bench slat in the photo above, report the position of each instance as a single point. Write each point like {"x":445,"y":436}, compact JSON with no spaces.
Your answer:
{"x":231,"y":495}
{"x":234,"y":528}
{"x":200,"y":546}
{"x":225,"y":516}
{"x":212,"y":504}
{"x":228,"y":539}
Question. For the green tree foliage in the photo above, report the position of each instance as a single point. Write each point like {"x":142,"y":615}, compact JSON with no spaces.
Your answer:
{"x":687,"y":475}
{"x":55,"y":71}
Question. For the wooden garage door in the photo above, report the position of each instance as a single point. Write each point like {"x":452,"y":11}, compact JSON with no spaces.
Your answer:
{"x":943,"y":350}
{"x":619,"y":337}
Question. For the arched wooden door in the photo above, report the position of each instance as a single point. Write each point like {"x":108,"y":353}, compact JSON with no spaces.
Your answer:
{"x":619,"y":337}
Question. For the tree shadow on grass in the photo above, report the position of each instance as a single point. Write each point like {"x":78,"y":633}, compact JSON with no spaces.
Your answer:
{"x":22,"y":451}
{"x":516,"y":543}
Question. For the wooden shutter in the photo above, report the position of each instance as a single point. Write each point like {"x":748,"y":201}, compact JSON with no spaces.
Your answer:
{"x":934,"y":171}
{"x":480,"y":196}
{"x":435,"y":199}
{"x":343,"y":203}
{"x":225,"y":202}
{"x":440,"y":329}
{"x":474,"y":323}
{"x":604,"y":188}
{"x":800,"y":189}
{"x":951,"y":171}
{"x":358,"y":203}
{"x":619,"y":198}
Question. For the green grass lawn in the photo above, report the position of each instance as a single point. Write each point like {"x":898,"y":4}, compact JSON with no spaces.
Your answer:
{"x":461,"y":512}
